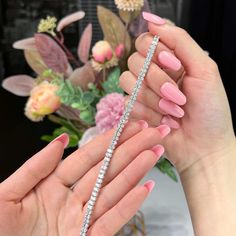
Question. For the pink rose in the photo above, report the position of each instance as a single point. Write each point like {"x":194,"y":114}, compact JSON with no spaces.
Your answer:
{"x":102,"y":51}
{"x":109,"y":110}
{"x":42,"y":101}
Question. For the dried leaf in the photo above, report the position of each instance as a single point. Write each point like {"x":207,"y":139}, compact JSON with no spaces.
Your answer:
{"x":35,"y":61}
{"x":67,"y":20}
{"x":25,"y":44}
{"x":83,"y":76}
{"x":113,"y":29}
{"x":20,"y":85}
{"x":85,"y":44}
{"x":68,"y":112}
{"x":51,"y":53}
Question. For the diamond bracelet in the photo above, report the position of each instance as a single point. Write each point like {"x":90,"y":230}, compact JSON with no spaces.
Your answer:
{"x":116,"y":136}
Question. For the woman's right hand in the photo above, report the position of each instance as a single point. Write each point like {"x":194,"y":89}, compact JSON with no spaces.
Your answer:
{"x":202,"y":142}
{"x":206,"y":128}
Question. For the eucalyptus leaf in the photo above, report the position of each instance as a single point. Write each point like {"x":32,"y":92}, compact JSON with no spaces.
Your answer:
{"x":111,"y":85}
{"x":88,"y":115}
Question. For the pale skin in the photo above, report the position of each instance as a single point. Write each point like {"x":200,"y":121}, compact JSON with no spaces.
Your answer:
{"x":38,"y":200}
{"x":203,"y":147}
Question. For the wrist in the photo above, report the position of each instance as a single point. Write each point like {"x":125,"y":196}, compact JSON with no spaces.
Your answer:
{"x":210,"y":188}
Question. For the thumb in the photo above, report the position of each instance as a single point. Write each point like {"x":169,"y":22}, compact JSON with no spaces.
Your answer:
{"x":192,"y":56}
{"x":34,"y":170}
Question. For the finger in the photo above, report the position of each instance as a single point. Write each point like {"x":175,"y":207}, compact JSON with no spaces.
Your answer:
{"x":123,"y":156}
{"x":82,"y":160}
{"x":122,"y":212}
{"x":34,"y":170}
{"x":157,"y":80}
{"x":163,"y":57}
{"x":171,"y":122}
{"x":146,"y":95}
{"x":110,"y":195}
{"x":141,"y":111}
{"x":193,"y":58}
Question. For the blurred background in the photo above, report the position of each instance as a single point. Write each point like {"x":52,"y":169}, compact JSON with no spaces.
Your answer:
{"x":210,"y":22}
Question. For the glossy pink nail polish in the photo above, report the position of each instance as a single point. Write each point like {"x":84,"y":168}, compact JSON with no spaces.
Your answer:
{"x":172,"y":93}
{"x":167,"y":120}
{"x":164,"y":130}
{"x":143,"y":124}
{"x":149,"y":185}
{"x":158,"y":150}
{"x":169,"y":60}
{"x":153,"y":18}
{"x":171,"y":108}
{"x":63,"y":138}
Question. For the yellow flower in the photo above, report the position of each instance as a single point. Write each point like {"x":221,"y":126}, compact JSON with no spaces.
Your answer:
{"x":42,"y":101}
{"x":129,"y":5}
{"x":47,"y":25}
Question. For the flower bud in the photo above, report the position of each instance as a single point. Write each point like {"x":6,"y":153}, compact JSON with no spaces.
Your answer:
{"x":102,"y":51}
{"x":119,"y":51}
{"x":42,"y":101}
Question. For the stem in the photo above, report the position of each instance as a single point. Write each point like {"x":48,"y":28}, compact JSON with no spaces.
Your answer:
{"x":68,"y":53}
{"x":104,"y":74}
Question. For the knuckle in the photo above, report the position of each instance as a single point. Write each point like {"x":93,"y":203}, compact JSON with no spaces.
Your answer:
{"x":151,"y":133}
{"x":124,"y":76}
{"x":132,"y":58}
{"x":140,"y":39}
{"x":182,"y":32}
{"x":212,"y":66}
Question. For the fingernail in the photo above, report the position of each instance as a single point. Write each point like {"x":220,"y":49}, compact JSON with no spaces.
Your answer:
{"x":158,"y":150}
{"x":63,"y":138}
{"x":153,"y":18}
{"x":167,"y":120}
{"x":143,"y":124}
{"x":169,"y":60}
{"x":171,"y":108}
{"x":172,"y":93}
{"x":149,"y":185}
{"x":164,"y":130}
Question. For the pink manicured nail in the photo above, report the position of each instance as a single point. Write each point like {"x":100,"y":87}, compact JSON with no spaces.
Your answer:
{"x":149,"y":185}
{"x":63,"y":138}
{"x":158,"y":150}
{"x":171,"y":108}
{"x":167,"y":120}
{"x":143,"y":124}
{"x":153,"y":18}
{"x":169,"y":60}
{"x":164,"y":130}
{"x":172,"y":93}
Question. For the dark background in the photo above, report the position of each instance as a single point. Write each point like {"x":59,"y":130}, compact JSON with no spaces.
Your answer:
{"x":212,"y":24}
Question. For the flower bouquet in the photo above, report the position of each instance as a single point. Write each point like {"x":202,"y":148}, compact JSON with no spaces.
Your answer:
{"x":81,"y":92}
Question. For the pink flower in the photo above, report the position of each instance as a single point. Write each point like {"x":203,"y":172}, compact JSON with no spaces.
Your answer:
{"x":42,"y":101}
{"x":109,"y":110}
{"x":119,"y":51}
{"x":102,"y":51}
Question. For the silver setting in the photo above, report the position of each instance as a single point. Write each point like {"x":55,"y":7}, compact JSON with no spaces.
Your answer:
{"x":115,"y":138}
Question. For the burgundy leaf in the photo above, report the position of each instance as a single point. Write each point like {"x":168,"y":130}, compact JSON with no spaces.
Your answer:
{"x":70,"y":19}
{"x":83,"y":76}
{"x":24,"y":44}
{"x":52,"y":54}
{"x":85,"y":43}
{"x":20,"y":85}
{"x":139,"y":25}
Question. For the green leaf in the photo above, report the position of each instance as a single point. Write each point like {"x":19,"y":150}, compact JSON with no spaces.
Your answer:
{"x":111,"y":85}
{"x":88,"y":115}
{"x":88,"y":97}
{"x":166,"y":168}
{"x":74,"y":138}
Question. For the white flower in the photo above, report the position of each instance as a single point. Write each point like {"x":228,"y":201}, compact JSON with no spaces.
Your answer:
{"x":129,"y":5}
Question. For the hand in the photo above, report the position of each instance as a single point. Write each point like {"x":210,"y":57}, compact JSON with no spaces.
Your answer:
{"x":38,"y":199}
{"x":205,"y":116}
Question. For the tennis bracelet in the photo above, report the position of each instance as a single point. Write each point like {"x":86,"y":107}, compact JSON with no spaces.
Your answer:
{"x":116,"y":136}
